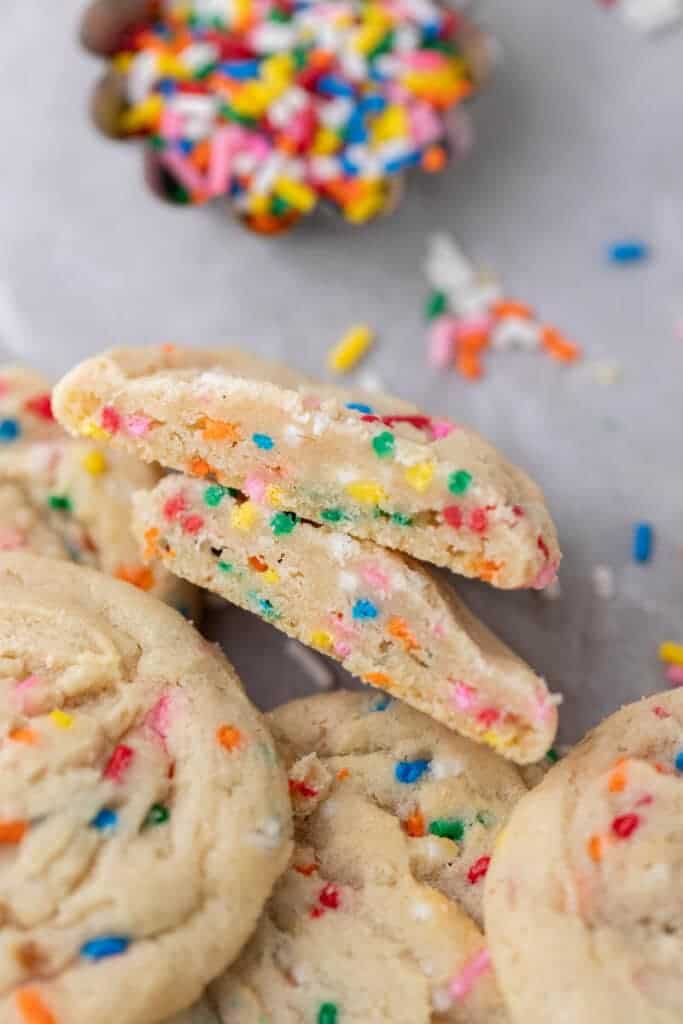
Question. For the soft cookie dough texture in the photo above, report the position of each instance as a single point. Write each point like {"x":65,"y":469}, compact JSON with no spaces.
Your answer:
{"x":75,"y":498}
{"x":372,"y":466}
{"x":144,"y":816}
{"x":383,"y":615}
{"x":584,"y":898}
{"x":378,"y":920}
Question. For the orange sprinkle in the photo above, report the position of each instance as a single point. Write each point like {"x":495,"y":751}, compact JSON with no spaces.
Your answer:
{"x":379,"y":679}
{"x":434,"y":159}
{"x":468,"y":365}
{"x":398,"y":627}
{"x":32,"y":1008}
{"x":139,"y":575}
{"x":617,"y":780}
{"x":342,"y":774}
{"x":485,"y":569}
{"x":257,"y":564}
{"x":12,"y":832}
{"x":198,"y":466}
{"x":415,"y":825}
{"x":509,"y":307}
{"x":200,"y":155}
{"x":229,"y":737}
{"x":557,"y":346}
{"x":475,"y":341}
{"x":220,"y":430}
{"x":595,"y":849}
{"x":24,"y":735}
{"x":151,"y":549}
{"x":306,"y":869}
{"x":167,"y":348}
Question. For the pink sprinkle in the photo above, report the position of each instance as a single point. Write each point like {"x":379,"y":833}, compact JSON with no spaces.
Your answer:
{"x":674,"y":674}
{"x":119,"y":762}
{"x":174,"y":506}
{"x":11,"y":538}
{"x":463,"y":983}
{"x":158,"y":718}
{"x":192,"y":524}
{"x":255,"y":488}
{"x":544,"y":709}
{"x":465,"y":327}
{"x":375,"y":578}
{"x":441,"y":343}
{"x":4,"y":387}
{"x":425,"y":126}
{"x":464,"y":696}
{"x":342,"y":649}
{"x":226,"y":142}
{"x":171,"y":124}
{"x":110,"y":419}
{"x":136,"y":426}
{"x":546,"y":576}
{"x":423,"y":60}
{"x":27,"y":683}
{"x":660,"y":712}
{"x":311,"y":402}
{"x":441,"y":429}
{"x":478,"y":520}
{"x":186,"y":173}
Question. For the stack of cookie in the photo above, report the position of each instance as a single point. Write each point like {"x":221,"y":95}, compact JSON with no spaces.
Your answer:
{"x":169,"y":857}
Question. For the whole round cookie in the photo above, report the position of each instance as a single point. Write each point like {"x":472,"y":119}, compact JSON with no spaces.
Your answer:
{"x":144,"y":815}
{"x":584,"y":899}
{"x":379,"y":917}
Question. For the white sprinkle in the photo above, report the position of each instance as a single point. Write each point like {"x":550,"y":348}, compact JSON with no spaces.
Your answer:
{"x":269,"y":836}
{"x":603,"y":581}
{"x":321,"y":422}
{"x":328,"y":809}
{"x":421,"y":911}
{"x":292,"y":435}
{"x":441,"y":1000}
{"x":348,"y":581}
{"x":370,"y":381}
{"x":318,"y":670}
{"x":341,"y":547}
{"x":345,"y":475}
{"x":516,"y":332}
{"x":446,"y":768}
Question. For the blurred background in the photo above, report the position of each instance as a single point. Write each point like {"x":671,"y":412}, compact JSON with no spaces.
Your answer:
{"x":578,"y":144}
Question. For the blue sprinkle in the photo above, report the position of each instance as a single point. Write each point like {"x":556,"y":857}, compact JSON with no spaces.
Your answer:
{"x":186,"y":146}
{"x":678,"y":763}
{"x":240,"y":69}
{"x":355,"y":131}
{"x":382,"y":704}
{"x":359,"y":407}
{"x":9,"y":430}
{"x":105,"y":946}
{"x":364,"y":609}
{"x":642,"y":542}
{"x":330,"y":85}
{"x":104,"y":819}
{"x":411,"y":771}
{"x":373,"y":104}
{"x":166,"y":86}
{"x":263,"y":441}
{"x":348,"y":165}
{"x":628,"y":251}
{"x":399,"y":163}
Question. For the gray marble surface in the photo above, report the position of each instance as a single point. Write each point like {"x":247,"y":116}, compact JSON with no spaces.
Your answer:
{"x":579,"y":141}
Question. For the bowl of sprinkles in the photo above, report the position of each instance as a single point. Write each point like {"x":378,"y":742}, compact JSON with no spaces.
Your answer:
{"x":283,"y":106}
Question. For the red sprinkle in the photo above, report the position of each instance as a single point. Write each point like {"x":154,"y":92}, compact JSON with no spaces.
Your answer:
{"x":661,"y":712}
{"x":478,"y":870}
{"x":453,"y":516}
{"x":317,"y":912}
{"x":192,"y":524}
{"x":478,"y":520}
{"x":543,"y":547}
{"x":40,"y":405}
{"x":300,"y":787}
{"x":174,"y":506}
{"x":487,"y":716}
{"x":110,"y":419}
{"x":119,"y":762}
{"x":329,"y":897}
{"x":625,"y":825}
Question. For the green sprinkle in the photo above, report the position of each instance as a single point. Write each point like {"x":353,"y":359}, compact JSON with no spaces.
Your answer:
{"x":379,"y":513}
{"x":459,"y":481}
{"x":553,"y":756}
{"x":156,"y":815}
{"x":327,"y":1014}
{"x":205,"y":71}
{"x":383,"y":445}
{"x":214,"y":494}
{"x":156,"y":142}
{"x":333,"y":515}
{"x":278,"y":15}
{"x":486,"y":819}
{"x":265,"y":607}
{"x":384,"y":46}
{"x":178,"y":194}
{"x":279,"y":206}
{"x":448,"y":828}
{"x":225,"y":566}
{"x":401,"y":520}
{"x":60,"y":501}
{"x":283,"y":523}
{"x":436,"y":305}
{"x":300,"y":55}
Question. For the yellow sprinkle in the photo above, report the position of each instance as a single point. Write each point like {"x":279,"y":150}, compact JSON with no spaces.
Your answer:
{"x":360,"y":210}
{"x":94,"y":462}
{"x":671,"y":653}
{"x":298,"y":195}
{"x":325,"y":142}
{"x":88,"y":428}
{"x":368,"y":37}
{"x":278,"y":69}
{"x":122,"y":62}
{"x":420,"y":475}
{"x":169,"y":66}
{"x":243,"y":516}
{"x":61,"y":719}
{"x":274,"y":496}
{"x":259,"y":202}
{"x":142,"y":115}
{"x":350,"y":350}
{"x":270,"y":576}
{"x":391,"y":124}
{"x":366,"y":492}
{"x":322,"y":640}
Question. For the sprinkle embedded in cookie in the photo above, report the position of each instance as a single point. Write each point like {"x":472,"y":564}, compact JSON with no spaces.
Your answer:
{"x":385,"y":617}
{"x":132,"y":838}
{"x":371,"y":466}
{"x":584,"y":904}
